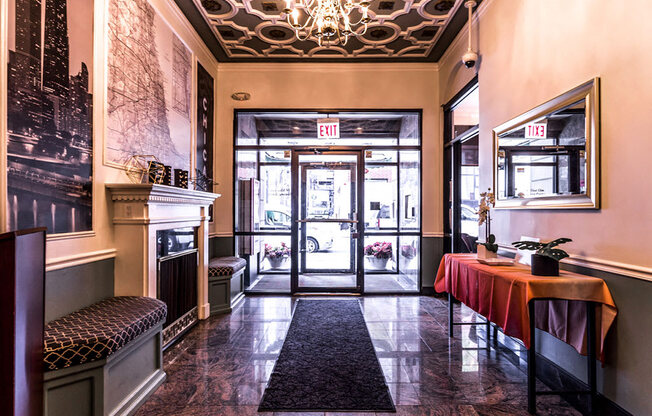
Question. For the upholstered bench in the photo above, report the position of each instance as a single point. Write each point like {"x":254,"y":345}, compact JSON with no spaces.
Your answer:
{"x":225,"y":283}
{"x":105,"y":358}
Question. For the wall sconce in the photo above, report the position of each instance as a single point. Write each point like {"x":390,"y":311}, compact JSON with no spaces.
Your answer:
{"x":240,"y":96}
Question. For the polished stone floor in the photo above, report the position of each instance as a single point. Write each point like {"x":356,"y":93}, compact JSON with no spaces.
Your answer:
{"x":374,"y":282}
{"x":222,"y":366}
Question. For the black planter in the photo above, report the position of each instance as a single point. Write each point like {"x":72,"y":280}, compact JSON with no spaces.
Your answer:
{"x":544,"y":266}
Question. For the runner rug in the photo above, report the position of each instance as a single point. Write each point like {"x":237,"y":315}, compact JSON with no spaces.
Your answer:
{"x":327,"y":363}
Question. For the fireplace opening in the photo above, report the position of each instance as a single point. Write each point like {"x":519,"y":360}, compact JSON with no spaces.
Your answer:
{"x":177,"y":260}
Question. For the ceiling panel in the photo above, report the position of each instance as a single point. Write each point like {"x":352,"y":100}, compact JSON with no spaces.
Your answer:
{"x":256,"y":30}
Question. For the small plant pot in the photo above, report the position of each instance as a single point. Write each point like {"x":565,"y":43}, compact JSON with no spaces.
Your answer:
{"x":277,"y":262}
{"x":376,"y":263}
{"x":544,"y":266}
{"x":483,"y":253}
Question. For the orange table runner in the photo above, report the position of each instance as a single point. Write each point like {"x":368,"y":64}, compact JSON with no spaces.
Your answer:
{"x":501,"y":294}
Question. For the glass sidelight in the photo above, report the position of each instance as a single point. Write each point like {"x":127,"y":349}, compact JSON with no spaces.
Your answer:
{"x":326,"y":231}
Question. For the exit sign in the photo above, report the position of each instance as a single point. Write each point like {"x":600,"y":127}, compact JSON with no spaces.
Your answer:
{"x":536,"y":131}
{"x":328,"y":128}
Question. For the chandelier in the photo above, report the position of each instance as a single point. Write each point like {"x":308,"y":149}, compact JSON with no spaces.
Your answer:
{"x":327,"y":20}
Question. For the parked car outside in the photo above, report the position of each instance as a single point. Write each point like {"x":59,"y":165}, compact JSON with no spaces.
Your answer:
{"x":320,"y":235}
{"x":469,"y":218}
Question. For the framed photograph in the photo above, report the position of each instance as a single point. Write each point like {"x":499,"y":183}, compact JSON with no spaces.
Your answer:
{"x":50,"y":116}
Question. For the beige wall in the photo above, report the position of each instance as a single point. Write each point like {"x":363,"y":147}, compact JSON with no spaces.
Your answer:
{"x":330,"y":86}
{"x":63,"y":250}
{"x":531,"y":51}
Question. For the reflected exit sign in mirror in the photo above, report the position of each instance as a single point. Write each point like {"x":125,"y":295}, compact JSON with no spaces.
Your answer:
{"x":536,"y":131}
{"x":328,"y":128}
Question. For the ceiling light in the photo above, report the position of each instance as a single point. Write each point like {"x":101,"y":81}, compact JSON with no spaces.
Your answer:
{"x":328,"y":21}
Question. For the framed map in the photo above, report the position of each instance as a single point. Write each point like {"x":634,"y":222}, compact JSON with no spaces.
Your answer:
{"x":149,"y":86}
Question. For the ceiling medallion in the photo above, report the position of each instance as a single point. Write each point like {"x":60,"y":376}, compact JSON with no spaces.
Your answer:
{"x":327,"y":20}
{"x":240,"y":96}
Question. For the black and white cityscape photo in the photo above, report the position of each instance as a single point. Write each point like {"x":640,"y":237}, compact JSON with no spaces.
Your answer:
{"x":50,"y":124}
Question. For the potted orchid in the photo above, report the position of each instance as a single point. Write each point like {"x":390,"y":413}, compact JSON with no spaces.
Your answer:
{"x":378,"y":254}
{"x":489,"y":248}
{"x":277,"y":255}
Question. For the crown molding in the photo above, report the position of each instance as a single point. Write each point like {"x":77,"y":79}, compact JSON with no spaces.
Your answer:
{"x":327,"y":66}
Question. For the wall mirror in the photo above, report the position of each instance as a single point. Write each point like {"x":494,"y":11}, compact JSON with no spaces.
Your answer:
{"x":548,"y":158}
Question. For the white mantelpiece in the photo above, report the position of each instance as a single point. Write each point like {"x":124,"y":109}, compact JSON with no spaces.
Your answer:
{"x":139,"y":211}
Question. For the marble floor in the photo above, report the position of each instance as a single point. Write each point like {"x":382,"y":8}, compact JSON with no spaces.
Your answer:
{"x":222,"y":365}
{"x":374,"y":282}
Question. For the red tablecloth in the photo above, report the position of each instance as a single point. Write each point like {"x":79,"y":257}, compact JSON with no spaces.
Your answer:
{"x":501,"y":294}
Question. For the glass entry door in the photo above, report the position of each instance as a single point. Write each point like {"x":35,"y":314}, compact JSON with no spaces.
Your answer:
{"x":326,"y":234}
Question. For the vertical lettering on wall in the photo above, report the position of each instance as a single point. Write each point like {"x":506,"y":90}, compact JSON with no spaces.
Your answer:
{"x":205,"y":108}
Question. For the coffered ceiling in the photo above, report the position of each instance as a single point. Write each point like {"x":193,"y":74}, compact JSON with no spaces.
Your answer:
{"x":256,"y":30}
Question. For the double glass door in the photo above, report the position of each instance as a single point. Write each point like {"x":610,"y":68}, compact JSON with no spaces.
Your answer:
{"x":326,"y":234}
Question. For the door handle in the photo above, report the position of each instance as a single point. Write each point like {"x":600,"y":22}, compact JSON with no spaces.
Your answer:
{"x":355,"y":234}
{"x":328,"y":220}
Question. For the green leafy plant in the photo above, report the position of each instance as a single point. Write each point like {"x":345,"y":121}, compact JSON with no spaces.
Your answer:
{"x":545,"y":249}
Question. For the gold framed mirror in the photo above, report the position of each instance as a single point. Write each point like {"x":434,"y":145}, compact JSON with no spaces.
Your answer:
{"x":549,"y":157}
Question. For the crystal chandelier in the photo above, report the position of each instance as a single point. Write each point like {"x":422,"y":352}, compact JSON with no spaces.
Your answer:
{"x":328,"y":20}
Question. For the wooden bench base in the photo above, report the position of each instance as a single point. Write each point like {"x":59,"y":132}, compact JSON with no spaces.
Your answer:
{"x":225,"y":292}
{"x":116,"y":385}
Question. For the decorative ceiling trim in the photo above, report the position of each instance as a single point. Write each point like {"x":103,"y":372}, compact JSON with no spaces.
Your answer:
{"x":265,"y":66}
{"x":254,"y":31}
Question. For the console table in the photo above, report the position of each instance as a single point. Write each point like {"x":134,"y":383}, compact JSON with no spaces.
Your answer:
{"x":575,"y":308}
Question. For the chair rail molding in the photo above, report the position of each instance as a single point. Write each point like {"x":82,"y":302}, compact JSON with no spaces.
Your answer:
{"x":608,"y":266}
{"x":64,"y":262}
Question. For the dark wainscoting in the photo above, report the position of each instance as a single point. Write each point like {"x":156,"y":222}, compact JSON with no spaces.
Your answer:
{"x":432,"y":250}
{"x":73,"y":288}
{"x":221,"y":246}
{"x":557,"y":378}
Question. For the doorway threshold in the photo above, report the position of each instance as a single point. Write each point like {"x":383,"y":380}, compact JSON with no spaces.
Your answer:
{"x":327,"y":294}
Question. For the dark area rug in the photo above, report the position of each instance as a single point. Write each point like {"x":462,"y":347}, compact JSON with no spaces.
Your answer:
{"x":327,"y":363}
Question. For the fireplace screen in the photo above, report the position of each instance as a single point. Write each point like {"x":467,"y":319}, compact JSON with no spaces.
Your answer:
{"x":177,"y":280}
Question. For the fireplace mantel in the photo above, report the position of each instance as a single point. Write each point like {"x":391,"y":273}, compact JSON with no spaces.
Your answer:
{"x":139,"y":211}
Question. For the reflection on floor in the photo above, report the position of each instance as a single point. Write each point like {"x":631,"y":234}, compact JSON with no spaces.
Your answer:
{"x":222,"y":366}
{"x":393,"y":283}
{"x":327,"y":280}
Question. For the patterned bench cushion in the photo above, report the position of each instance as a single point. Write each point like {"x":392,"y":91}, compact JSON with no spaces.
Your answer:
{"x":225,"y":266}
{"x":99,"y":330}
